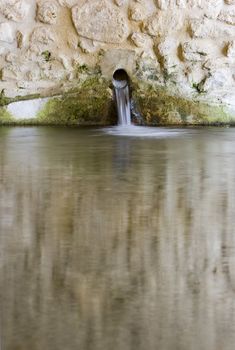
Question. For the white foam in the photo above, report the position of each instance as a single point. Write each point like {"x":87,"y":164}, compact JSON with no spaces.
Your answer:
{"x":142,"y":131}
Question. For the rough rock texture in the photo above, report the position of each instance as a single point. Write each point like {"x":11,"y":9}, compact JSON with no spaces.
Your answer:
{"x":178,"y":53}
{"x":14,"y":10}
{"x":99,"y":20}
{"x":47,"y":11}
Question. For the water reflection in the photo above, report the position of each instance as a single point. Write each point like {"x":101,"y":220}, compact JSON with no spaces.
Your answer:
{"x":109,"y":242}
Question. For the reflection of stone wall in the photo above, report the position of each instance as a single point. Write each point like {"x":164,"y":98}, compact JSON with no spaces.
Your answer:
{"x":116,"y":242}
{"x":188,"y":46}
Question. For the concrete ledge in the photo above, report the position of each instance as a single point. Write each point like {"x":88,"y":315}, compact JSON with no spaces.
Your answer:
{"x":27,"y":109}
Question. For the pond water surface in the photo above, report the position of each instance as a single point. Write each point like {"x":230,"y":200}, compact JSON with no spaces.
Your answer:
{"x":116,"y":242}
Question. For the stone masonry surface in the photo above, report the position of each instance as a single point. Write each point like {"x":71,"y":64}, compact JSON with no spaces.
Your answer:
{"x":187,"y":47}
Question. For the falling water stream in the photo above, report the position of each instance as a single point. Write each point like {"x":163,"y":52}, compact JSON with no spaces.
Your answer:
{"x":121,"y":86}
{"x":124,"y":126}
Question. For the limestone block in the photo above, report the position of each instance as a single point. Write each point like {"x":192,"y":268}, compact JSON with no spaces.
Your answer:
{"x":11,"y":72}
{"x":117,"y":59}
{"x":148,"y":68}
{"x":213,"y":65}
{"x":69,"y":3}
{"x":181,"y":3}
{"x":212,"y":8}
{"x":166,"y":51}
{"x":32,"y":56}
{"x":101,"y":21}
{"x":6,"y":33}
{"x":42,"y":35}
{"x":205,"y":28}
{"x":66,"y":62}
{"x":18,"y":68}
{"x":230,"y":49}
{"x":170,"y":4}
{"x":142,"y":2}
{"x":138,"y":12}
{"x":216,"y":81}
{"x":77,"y":60}
{"x":171,"y":67}
{"x":195,"y":74}
{"x":193,"y":3}
{"x":148,"y":55}
{"x":12,"y":57}
{"x":200,"y":28}
{"x":141,"y":39}
{"x":41,"y":39}
{"x":33,"y":74}
{"x":3,"y":51}
{"x":72,"y":41}
{"x":120,"y":2}
{"x":88,"y":46}
{"x":53,"y":70}
{"x":166,"y":47}
{"x":47,"y":11}
{"x":227,"y":16}
{"x":15,"y":10}
{"x":163,"y":4}
{"x":163,"y":23}
{"x":192,"y":51}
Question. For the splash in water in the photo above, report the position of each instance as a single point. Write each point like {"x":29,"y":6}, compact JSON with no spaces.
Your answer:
{"x":120,"y":82}
{"x":144,"y":131}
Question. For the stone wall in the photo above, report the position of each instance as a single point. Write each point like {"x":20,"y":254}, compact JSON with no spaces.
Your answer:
{"x":185,"y":48}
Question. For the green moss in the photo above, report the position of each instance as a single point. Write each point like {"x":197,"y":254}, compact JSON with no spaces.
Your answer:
{"x":47,"y":55}
{"x":3,"y":99}
{"x":159,"y":107}
{"x":90,"y":104}
{"x":5,"y":116}
{"x":82,"y":68}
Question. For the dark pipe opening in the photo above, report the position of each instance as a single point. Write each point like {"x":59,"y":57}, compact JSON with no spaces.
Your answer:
{"x":120,"y":79}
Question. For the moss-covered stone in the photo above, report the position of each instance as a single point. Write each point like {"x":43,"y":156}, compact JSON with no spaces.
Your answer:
{"x":90,"y":104}
{"x":5,"y":117}
{"x":160,"y":107}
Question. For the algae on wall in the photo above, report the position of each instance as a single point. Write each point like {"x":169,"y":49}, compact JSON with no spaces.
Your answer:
{"x":5,"y":117}
{"x":160,"y":107}
{"x":90,"y":103}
